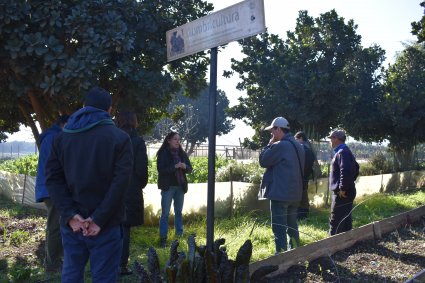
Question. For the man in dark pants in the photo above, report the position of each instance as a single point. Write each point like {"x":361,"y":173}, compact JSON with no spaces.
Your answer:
{"x":310,"y":159}
{"x":343,"y":173}
{"x":54,"y":250}
{"x":87,"y":175}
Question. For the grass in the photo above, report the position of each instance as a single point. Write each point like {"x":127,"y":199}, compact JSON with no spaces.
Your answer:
{"x":252,"y":225}
{"x":256,"y":226}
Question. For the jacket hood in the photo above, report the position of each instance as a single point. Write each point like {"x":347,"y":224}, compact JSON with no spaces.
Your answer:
{"x":52,"y":130}
{"x":87,"y":118}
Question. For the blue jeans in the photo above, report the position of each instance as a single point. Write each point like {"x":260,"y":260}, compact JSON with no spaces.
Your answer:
{"x":173,"y":194}
{"x":103,"y":250}
{"x":284,"y":221}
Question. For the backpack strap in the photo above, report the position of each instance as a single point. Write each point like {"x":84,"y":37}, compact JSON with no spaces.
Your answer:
{"x":299,"y":161}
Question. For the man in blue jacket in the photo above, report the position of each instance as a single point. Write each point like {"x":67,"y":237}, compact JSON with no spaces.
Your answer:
{"x":53,"y":244}
{"x":87,"y":175}
{"x":282,"y":182}
{"x":343,"y":173}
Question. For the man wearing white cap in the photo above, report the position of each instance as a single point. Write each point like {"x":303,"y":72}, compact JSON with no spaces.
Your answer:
{"x":282,"y":183}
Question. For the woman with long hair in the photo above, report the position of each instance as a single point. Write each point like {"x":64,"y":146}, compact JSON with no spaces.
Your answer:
{"x":172,"y":164}
{"x":134,"y":204}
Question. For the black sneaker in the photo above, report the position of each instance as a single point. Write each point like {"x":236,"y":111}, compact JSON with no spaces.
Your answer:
{"x":125,"y":271}
{"x":162,"y":242}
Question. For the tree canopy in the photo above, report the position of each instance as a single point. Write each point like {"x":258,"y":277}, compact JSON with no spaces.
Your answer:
{"x":418,"y":28}
{"x":404,"y":104}
{"x":52,"y":52}
{"x":189,"y":117}
{"x":312,"y":79}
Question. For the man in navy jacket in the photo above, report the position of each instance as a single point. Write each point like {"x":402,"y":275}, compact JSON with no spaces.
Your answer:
{"x":342,"y":175}
{"x":87,"y":175}
{"x":54,"y":250}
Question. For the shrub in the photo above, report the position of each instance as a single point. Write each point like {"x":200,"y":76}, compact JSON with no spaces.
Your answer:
{"x":242,"y":172}
{"x":23,"y":165}
{"x":377,"y":164}
{"x":19,"y":237}
{"x":199,"y":173}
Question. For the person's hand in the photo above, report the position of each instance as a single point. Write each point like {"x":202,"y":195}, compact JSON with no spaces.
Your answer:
{"x":78,"y":224}
{"x":92,"y":228}
{"x":342,"y":194}
{"x":272,"y":140}
{"x":180,"y":165}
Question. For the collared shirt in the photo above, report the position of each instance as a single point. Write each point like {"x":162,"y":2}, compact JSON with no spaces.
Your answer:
{"x":341,"y":146}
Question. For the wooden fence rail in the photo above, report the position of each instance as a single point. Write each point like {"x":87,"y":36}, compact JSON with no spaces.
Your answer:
{"x":333,"y":244}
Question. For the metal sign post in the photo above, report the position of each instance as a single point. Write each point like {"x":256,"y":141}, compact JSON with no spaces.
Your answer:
{"x":211,"y":149}
{"x":232,"y":23}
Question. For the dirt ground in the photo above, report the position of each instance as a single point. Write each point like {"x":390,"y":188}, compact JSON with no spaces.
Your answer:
{"x":397,"y":257}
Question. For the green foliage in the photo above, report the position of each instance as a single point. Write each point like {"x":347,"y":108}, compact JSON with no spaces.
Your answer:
{"x":23,"y":165}
{"x":312,"y":67}
{"x":200,"y":168}
{"x":187,"y":115}
{"x":199,"y":173}
{"x":19,"y":237}
{"x":20,"y":273}
{"x":54,"y":51}
{"x":253,"y":226}
{"x":418,"y":28}
{"x":242,"y":172}
{"x":256,"y":226}
{"x":377,"y":164}
{"x":403,"y":105}
{"x":152,"y":171}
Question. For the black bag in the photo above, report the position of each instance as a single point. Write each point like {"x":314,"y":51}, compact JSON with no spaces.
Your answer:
{"x":356,"y":169}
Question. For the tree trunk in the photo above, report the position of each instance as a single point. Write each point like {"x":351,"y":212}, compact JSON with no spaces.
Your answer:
{"x":404,"y":159}
{"x":192,"y":147}
{"x":38,"y":109}
{"x":26,"y":113}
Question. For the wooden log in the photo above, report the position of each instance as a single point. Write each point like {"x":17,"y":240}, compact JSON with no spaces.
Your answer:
{"x":333,"y":244}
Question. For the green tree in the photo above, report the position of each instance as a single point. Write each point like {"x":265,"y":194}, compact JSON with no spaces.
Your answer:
{"x":418,"y":28}
{"x":365,"y":119}
{"x":307,"y":78}
{"x":404,"y":104}
{"x":190,"y":118}
{"x":52,"y":52}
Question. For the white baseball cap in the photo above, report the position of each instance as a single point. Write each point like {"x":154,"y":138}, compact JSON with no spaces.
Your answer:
{"x":278,"y":122}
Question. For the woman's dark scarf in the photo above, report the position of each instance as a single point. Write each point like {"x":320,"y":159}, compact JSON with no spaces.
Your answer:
{"x":179,"y":171}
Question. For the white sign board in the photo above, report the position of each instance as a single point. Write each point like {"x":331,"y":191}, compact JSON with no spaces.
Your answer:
{"x":232,"y":23}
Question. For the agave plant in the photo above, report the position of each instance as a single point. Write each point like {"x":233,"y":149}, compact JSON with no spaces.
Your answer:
{"x":202,"y":265}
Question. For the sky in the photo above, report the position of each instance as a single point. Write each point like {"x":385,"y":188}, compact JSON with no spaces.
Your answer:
{"x":383,"y":22}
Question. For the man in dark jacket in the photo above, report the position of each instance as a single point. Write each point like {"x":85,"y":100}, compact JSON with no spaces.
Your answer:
{"x":87,"y":175}
{"x":310,"y":159}
{"x":342,"y":175}
{"x":54,"y":250}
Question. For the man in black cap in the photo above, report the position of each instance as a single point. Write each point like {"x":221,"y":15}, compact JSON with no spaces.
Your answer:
{"x":343,"y":173}
{"x":87,"y":174}
{"x":309,"y":161}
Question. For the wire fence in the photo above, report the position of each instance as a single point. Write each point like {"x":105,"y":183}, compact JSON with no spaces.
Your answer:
{"x":224,"y":151}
